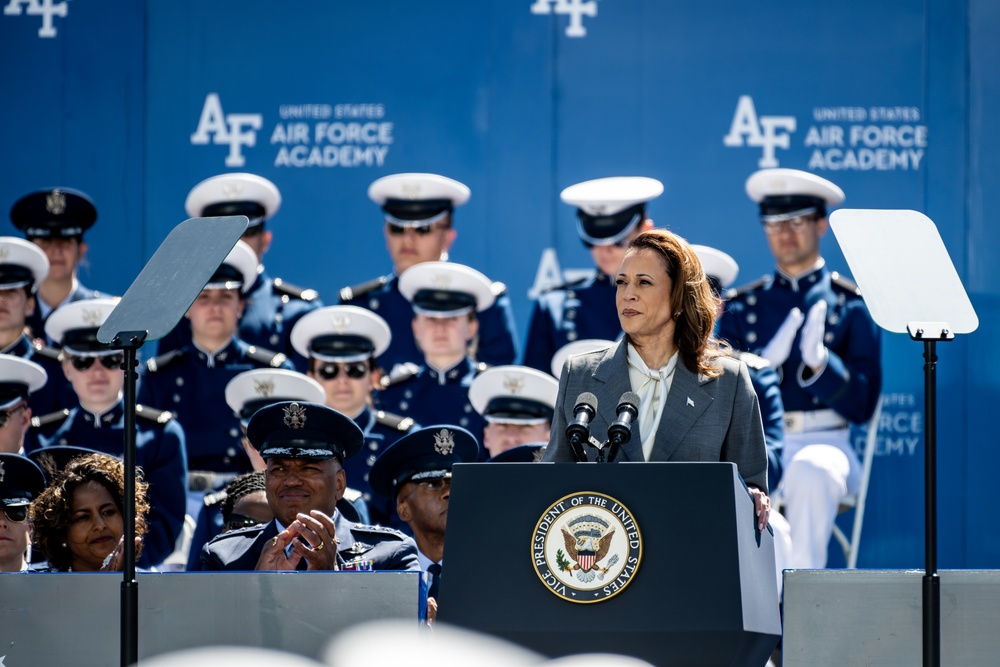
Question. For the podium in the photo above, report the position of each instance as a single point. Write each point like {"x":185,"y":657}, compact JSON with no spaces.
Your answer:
{"x":530,"y":557}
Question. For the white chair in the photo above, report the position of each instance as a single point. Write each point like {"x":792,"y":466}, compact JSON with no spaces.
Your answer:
{"x":857,"y":501}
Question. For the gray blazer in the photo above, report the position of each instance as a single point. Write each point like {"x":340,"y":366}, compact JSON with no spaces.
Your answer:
{"x":706,"y":419}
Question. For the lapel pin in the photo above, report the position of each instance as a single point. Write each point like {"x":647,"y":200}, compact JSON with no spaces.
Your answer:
{"x":690,"y":402}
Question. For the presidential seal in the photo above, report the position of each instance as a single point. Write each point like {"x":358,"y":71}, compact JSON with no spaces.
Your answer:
{"x":586,"y":547}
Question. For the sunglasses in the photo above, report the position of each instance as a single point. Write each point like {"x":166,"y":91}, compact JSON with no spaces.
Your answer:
{"x":15,"y":513}
{"x":5,"y":415}
{"x":796,"y":224}
{"x":237,"y":521}
{"x":399,"y":230}
{"x":110,"y":361}
{"x":355,"y":370}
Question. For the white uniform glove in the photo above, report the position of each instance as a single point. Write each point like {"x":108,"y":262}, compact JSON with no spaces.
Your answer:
{"x":778,"y":349}
{"x":814,"y":352}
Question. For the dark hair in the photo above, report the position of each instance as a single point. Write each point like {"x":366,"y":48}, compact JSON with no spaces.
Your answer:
{"x":241,"y":487}
{"x":691,"y":300}
{"x":50,"y":512}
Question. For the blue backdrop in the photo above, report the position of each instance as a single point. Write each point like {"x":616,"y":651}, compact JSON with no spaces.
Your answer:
{"x":135,"y":102}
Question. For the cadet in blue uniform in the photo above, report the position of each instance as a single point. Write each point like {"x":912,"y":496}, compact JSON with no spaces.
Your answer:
{"x":517,"y":403}
{"x":813,"y":326}
{"x":342,"y":343}
{"x":98,"y":423}
{"x":21,"y":481}
{"x":418,"y":211}
{"x":22,"y":266}
{"x":610,"y":213}
{"x":18,"y":379}
{"x":415,"y":474}
{"x":271,"y":305}
{"x":191,"y":381}
{"x":55,"y":219}
{"x":445,"y":298}
{"x":304,"y":445}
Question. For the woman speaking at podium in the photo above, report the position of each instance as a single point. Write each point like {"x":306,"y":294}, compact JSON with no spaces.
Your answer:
{"x":667,"y":381}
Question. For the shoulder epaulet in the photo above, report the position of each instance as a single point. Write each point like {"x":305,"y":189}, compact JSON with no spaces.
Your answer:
{"x":399,"y":373}
{"x":51,"y":419}
{"x":43,"y":350}
{"x":359,"y":290}
{"x":752,"y":360}
{"x":266,"y":357}
{"x":393,"y":421}
{"x":239,"y":532}
{"x":749,"y":287}
{"x":293,"y":291}
{"x":152,"y":414}
{"x":383,"y":530}
{"x":845,"y":283}
{"x":498,"y":288}
{"x":165,"y":360}
{"x":213,"y":499}
{"x":352,"y":495}
{"x":567,"y":285}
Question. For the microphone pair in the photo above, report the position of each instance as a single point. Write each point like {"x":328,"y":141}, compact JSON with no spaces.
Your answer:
{"x":619,"y":432}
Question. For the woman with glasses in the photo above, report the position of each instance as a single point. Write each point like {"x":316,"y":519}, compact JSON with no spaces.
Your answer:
{"x":95,"y":373}
{"x":79,"y":519}
{"x":21,"y":481}
{"x":342,"y":343}
{"x":610,"y":213}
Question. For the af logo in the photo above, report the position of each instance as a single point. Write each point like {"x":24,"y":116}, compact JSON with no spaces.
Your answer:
{"x":759,"y":131}
{"x":44,"y":8}
{"x":586,"y":547}
{"x":235,"y":129}
{"x":575,"y":9}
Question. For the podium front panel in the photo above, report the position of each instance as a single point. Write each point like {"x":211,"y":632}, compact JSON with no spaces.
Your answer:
{"x":704,"y":589}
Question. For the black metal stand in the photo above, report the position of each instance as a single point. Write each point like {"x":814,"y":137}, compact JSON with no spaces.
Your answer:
{"x":129,"y":341}
{"x":931,"y":580}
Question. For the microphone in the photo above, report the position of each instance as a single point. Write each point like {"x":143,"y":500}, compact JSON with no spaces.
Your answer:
{"x":620,"y":431}
{"x":578,"y":430}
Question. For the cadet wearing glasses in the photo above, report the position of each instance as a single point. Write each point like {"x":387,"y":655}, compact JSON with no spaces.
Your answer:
{"x":94,"y":371}
{"x":418,"y":211}
{"x":21,"y":481}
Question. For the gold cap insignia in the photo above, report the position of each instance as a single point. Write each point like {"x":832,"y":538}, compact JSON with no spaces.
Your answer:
{"x":263,"y":387}
{"x":295,"y":416}
{"x":441,"y":280}
{"x":232,"y":189}
{"x":4,"y":251}
{"x":513,"y":383}
{"x":411,"y":190}
{"x":55,"y":202}
{"x":444,"y":442}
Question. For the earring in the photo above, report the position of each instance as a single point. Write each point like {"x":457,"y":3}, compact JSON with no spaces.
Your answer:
{"x":64,"y":545}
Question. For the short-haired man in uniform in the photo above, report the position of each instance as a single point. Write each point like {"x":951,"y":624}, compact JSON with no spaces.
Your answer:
{"x":610,"y":213}
{"x":304,"y":445}
{"x":55,"y":219}
{"x":418,"y":212}
{"x":271,"y":305}
{"x":445,"y":298}
{"x":191,"y":380}
{"x":517,"y":403}
{"x":23,"y":266}
{"x":18,"y":379}
{"x":415,"y":473}
{"x":812,"y":325}
{"x":98,"y":423}
{"x":21,"y":481}
{"x":342,"y":344}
